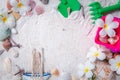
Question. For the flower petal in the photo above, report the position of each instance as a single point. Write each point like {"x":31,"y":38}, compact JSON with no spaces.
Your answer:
{"x":90,"y":65}
{"x":111,"y":32}
{"x":25,"y":2}
{"x":113,"y":67}
{"x":112,"y":61}
{"x":15,"y":9}
{"x":81,"y":66}
{"x":89,"y":74}
{"x":118,"y":71}
{"x":13,"y":2}
{"x":99,"y":23}
{"x":93,"y":49}
{"x":80,"y":74}
{"x":92,"y":59}
{"x":109,"y":18}
{"x":101,"y":56}
{"x":10,"y":22}
{"x":114,"y":25}
{"x":102,"y":33}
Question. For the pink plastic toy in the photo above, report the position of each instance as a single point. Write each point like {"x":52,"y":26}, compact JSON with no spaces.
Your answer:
{"x":113,"y":47}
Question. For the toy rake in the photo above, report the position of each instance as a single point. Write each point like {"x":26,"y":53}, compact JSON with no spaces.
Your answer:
{"x":97,"y":11}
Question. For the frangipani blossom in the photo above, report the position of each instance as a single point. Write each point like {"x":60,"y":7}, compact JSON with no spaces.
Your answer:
{"x":86,"y":70}
{"x":95,"y":53}
{"x":107,"y":26}
{"x":6,"y":20}
{"x":115,"y":64}
{"x":21,"y":6}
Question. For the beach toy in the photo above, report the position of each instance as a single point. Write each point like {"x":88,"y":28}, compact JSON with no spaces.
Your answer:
{"x":97,"y":11}
{"x":68,"y":6}
{"x":113,"y":46}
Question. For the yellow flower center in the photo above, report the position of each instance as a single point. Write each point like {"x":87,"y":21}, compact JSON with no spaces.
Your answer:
{"x":105,"y":26}
{"x":86,"y":70}
{"x":4,"y":19}
{"x":20,"y":5}
{"x":96,"y":54}
{"x":118,"y":64}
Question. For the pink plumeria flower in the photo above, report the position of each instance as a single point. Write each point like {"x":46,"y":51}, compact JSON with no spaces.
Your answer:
{"x":21,"y":6}
{"x":107,"y":26}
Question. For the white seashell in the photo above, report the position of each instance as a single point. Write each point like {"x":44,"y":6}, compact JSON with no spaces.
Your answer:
{"x":7,"y":65}
{"x":14,"y":31}
{"x":65,"y":76}
{"x":15,"y":54}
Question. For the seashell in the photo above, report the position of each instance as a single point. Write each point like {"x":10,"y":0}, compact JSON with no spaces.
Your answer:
{"x":113,"y":40}
{"x":104,"y":39}
{"x":45,"y":1}
{"x":14,"y":31}
{"x":9,"y":6}
{"x":15,"y":54}
{"x":7,"y":65}
{"x":55,"y":72}
{"x":7,"y":44}
{"x":39,"y":10}
{"x":32,"y":4}
{"x":16,"y":15}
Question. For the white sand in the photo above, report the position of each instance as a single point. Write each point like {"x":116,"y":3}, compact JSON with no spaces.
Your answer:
{"x":65,"y":40}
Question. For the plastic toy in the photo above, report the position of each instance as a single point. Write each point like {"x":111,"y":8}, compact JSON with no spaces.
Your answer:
{"x":67,"y":6}
{"x":97,"y":11}
{"x":113,"y":47}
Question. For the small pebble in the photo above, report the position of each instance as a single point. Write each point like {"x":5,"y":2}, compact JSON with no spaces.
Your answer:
{"x":45,"y":1}
{"x":39,"y":10}
{"x":15,"y":54}
{"x":7,"y":44}
{"x":7,"y":65}
{"x":55,"y":72}
{"x":14,"y":31}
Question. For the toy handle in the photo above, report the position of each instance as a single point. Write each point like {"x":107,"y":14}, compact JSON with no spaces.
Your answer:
{"x":110,"y":8}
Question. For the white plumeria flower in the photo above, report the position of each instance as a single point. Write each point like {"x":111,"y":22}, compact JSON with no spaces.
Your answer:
{"x":21,"y":6}
{"x":108,"y":26}
{"x":86,"y":70}
{"x":115,"y":64}
{"x":6,"y":20}
{"x":95,"y":53}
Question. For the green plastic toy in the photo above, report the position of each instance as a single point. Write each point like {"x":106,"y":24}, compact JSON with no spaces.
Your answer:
{"x":67,"y":6}
{"x":97,"y":11}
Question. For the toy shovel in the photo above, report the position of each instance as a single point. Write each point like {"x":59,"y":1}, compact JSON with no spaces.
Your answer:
{"x":97,"y":11}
